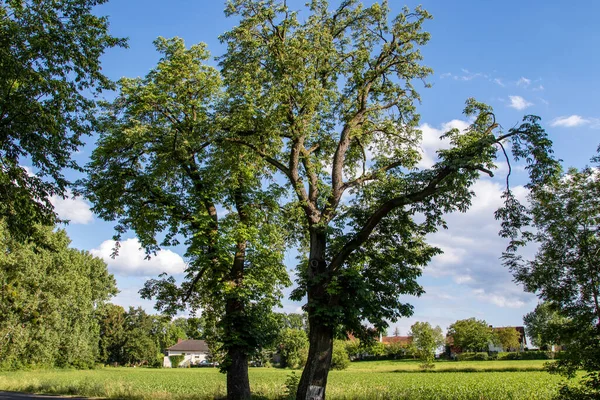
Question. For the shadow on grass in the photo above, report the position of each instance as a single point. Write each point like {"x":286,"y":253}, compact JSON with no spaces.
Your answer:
{"x":451,"y":370}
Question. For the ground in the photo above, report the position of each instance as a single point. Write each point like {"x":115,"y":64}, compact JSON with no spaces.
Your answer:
{"x":365,"y":380}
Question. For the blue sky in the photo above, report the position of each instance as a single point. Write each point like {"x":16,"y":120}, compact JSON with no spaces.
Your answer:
{"x":536,"y":57}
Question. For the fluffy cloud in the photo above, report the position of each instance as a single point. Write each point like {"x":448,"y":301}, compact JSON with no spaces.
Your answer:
{"x":431,"y":140}
{"x":472,"y":249}
{"x":131,"y":260}
{"x":570,"y":121}
{"x":519,"y":103}
{"x":72,"y":208}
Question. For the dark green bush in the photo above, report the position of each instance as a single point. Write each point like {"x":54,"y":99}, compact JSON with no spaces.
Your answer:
{"x":472,"y":356}
{"x":176,"y":360}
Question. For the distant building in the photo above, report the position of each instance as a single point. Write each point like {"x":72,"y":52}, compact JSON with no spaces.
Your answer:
{"x":194,"y":352}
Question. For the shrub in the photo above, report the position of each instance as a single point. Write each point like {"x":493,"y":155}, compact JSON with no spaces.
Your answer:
{"x":339,"y":359}
{"x":472,"y":356}
{"x":176,"y":360}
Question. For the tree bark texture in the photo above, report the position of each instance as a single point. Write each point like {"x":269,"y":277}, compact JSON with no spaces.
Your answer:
{"x":314,"y":377}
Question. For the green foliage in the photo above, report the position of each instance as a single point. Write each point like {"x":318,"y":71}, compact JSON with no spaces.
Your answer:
{"x":508,"y":338}
{"x":544,"y":324}
{"x":425,"y":341}
{"x":471,"y":334}
{"x":49,"y":297}
{"x":50,"y":65}
{"x":176,"y":360}
{"x":293,"y":346}
{"x":291,"y":385}
{"x":561,"y":220}
{"x":467,"y":356}
{"x":339,"y":359}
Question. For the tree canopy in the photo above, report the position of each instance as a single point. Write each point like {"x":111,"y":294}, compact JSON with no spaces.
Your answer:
{"x":471,"y":334}
{"x":562,"y":219}
{"x":425,"y":341}
{"x":49,"y":298}
{"x":51,"y":70}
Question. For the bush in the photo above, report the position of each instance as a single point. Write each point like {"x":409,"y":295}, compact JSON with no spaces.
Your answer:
{"x":339,"y":359}
{"x":176,"y":360}
{"x":472,"y":356}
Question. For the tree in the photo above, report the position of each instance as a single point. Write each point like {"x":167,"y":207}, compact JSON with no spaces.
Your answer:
{"x":565,"y":215}
{"x":49,"y":298}
{"x":508,"y":338}
{"x":340,"y":359}
{"x":161,"y":170}
{"x":50,"y":63}
{"x":471,"y":334}
{"x":396,"y":331}
{"x":328,"y":101}
{"x":111,"y":319}
{"x":425,"y":341}
{"x":544,"y":324}
{"x":292,"y":344}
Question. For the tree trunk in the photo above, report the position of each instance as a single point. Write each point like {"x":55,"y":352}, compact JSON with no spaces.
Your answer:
{"x":238,"y":385}
{"x":314,"y":377}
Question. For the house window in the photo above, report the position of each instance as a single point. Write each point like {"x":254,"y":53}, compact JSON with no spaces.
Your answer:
{"x":196,"y":356}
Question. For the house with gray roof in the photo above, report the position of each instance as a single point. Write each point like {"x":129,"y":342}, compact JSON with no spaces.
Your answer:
{"x":194,"y":352}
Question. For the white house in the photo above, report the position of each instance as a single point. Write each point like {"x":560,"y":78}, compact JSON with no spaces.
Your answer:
{"x":194,"y":351}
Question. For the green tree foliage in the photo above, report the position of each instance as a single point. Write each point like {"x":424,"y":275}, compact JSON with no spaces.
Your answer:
{"x":292,"y":345}
{"x":161,"y":169}
{"x":328,"y":101}
{"x":544,"y":325}
{"x":111,"y":319}
{"x":50,"y":67}
{"x":340,"y":358}
{"x":49,"y":296}
{"x":425,"y":341}
{"x":508,"y":338}
{"x":471,"y":334}
{"x":565,"y":213}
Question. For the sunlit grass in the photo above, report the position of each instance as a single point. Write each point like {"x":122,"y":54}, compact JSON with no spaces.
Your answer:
{"x":363,"y":380}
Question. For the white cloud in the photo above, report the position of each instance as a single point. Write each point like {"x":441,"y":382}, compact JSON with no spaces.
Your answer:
{"x":538,"y":88}
{"x":131,"y":259}
{"x":518,"y":102}
{"x":523,"y":82}
{"x":431,"y":141}
{"x":499,"y":82}
{"x":74,"y":209}
{"x":570,"y":121}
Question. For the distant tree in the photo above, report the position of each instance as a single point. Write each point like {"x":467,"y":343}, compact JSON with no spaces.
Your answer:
{"x":51,"y":70}
{"x":471,"y":334}
{"x":50,"y":295}
{"x":545,"y":324}
{"x":292,"y":345}
{"x":291,"y":320}
{"x":111,"y":319}
{"x":396,"y":331}
{"x":425,"y":341}
{"x":562,"y":219}
{"x":508,"y":338}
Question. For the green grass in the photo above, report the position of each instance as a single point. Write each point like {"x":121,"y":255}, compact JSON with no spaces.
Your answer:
{"x":363,"y":380}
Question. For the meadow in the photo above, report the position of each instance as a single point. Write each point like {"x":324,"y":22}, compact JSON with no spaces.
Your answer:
{"x":362,"y":380}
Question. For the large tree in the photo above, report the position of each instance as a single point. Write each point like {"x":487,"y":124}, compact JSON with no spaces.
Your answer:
{"x":161,"y":170}
{"x":471,"y":334}
{"x":50,"y":61}
{"x":49,"y":298}
{"x":328,"y":100}
{"x":563,"y":219}
{"x":544,"y":324}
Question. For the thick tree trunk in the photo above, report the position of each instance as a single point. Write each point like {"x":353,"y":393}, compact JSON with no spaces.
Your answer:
{"x":314,"y":377}
{"x":238,"y":385}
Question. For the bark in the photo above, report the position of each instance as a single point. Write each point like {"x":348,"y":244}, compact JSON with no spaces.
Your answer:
{"x":238,"y":384}
{"x":314,"y":377}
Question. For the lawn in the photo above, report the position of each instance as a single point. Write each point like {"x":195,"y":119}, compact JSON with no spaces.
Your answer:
{"x":363,"y":380}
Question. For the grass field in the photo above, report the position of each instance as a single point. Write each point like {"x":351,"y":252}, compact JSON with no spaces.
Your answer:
{"x":363,"y":380}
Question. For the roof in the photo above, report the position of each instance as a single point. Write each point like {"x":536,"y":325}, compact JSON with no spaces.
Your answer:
{"x":190,"y":345}
{"x":397,"y":339}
